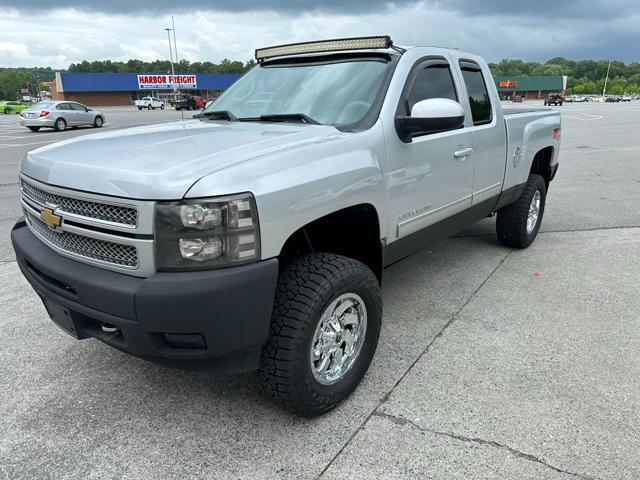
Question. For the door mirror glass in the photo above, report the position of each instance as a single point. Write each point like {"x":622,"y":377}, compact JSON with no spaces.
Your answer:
{"x":433,"y":115}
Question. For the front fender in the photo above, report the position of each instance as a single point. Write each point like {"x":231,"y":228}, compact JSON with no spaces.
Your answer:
{"x":297,"y":186}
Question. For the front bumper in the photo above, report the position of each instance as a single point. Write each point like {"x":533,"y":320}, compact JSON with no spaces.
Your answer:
{"x":37,"y":122}
{"x":215,"y":320}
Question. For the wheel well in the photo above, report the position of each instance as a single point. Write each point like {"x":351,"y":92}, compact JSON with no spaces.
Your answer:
{"x":353,"y":232}
{"x":541,"y":164}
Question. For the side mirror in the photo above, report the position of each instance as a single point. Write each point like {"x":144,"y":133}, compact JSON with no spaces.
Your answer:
{"x":88,"y":109}
{"x":207,"y":104}
{"x":434,"y":115}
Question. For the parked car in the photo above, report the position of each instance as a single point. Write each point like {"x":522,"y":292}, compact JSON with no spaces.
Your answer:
{"x":60,"y":115}
{"x":16,"y":106}
{"x":569,"y":99}
{"x":625,"y":98}
{"x":246,"y":240}
{"x":191,"y":102}
{"x":580,"y":99}
{"x":150,"y":103}
{"x":613,"y":99}
{"x":554,"y":99}
{"x":517,"y":99}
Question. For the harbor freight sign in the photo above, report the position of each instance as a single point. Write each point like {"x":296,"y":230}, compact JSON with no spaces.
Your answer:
{"x":146,"y":82}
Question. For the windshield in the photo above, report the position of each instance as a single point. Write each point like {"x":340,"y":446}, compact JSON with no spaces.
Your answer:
{"x":337,"y":93}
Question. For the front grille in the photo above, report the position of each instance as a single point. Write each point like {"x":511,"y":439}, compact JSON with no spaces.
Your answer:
{"x":92,"y":248}
{"x":101,"y":211}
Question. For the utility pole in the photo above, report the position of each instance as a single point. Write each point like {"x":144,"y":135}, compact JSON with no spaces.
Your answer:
{"x":606,"y":79}
{"x":173,"y":73}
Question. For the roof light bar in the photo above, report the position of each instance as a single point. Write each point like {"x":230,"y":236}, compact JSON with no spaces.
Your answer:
{"x":358,"y":43}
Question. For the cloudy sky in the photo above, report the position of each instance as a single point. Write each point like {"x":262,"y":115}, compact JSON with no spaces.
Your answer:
{"x":56,"y":33}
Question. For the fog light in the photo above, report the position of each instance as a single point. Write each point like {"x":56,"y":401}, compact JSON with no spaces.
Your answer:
{"x":200,"y":250}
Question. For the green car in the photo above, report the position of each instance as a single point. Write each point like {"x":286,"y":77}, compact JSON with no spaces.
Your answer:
{"x":13,"y":106}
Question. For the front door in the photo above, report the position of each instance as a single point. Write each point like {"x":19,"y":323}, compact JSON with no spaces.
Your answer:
{"x":431,"y":176}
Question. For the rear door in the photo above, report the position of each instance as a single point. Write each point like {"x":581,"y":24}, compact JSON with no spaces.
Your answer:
{"x":65,"y":111}
{"x":489,"y":135}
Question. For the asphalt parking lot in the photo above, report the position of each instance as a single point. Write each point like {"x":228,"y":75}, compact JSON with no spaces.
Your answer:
{"x":492,"y":363}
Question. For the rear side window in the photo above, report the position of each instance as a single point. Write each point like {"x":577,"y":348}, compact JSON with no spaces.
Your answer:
{"x":63,"y":106}
{"x":478,"y":95}
{"x":433,"y":81}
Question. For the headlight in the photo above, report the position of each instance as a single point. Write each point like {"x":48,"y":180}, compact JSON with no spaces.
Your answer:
{"x":207,"y":233}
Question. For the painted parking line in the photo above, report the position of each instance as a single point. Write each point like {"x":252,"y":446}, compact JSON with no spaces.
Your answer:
{"x":594,"y":117}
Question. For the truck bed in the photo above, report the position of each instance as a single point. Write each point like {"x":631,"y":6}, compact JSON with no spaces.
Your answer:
{"x":515,"y":111}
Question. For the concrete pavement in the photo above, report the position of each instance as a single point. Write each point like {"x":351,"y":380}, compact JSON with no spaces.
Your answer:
{"x":492,"y":363}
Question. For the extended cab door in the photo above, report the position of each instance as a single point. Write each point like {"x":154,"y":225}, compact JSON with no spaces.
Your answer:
{"x":489,"y":135}
{"x":430,"y":176}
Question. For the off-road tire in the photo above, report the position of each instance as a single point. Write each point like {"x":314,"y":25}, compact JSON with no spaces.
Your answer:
{"x":511,"y":225}
{"x":305,"y":289}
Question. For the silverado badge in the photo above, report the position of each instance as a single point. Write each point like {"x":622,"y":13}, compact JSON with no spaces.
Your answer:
{"x":51,"y":219}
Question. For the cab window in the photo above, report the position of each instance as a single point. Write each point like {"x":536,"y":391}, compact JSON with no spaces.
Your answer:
{"x":479,"y":101}
{"x":431,"y":81}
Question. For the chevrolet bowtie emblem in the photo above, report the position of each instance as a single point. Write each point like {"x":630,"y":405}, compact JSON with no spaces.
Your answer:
{"x":51,"y":219}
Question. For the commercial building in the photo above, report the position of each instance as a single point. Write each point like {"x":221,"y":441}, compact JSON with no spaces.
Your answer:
{"x":118,"y":89}
{"x":536,"y":86}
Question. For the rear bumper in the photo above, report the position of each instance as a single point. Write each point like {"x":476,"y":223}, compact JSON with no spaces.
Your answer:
{"x":37,"y":122}
{"x":215,"y":320}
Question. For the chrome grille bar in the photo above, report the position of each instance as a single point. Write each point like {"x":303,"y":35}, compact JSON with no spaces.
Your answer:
{"x":91,"y":209}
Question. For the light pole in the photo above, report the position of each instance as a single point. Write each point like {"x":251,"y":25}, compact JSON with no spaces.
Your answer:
{"x":173,"y":74}
{"x":175,"y":47}
{"x":606,"y":79}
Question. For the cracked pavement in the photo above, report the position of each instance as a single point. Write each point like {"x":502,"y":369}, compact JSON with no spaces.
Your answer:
{"x":492,"y":363}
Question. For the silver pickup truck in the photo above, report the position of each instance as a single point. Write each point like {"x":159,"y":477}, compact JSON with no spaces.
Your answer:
{"x":254,"y":237}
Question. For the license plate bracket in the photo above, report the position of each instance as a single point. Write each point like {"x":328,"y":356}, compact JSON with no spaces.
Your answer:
{"x":62,"y":317}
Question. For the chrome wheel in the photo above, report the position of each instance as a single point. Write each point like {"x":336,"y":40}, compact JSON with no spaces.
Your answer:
{"x":338,"y":338}
{"x":534,"y":212}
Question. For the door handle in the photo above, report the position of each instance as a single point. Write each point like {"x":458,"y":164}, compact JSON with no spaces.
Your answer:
{"x":463,"y":153}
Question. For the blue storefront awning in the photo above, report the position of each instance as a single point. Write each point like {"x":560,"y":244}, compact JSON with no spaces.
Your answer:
{"x":128,"y":82}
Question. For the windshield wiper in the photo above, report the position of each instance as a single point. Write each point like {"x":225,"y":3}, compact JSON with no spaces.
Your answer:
{"x":282,"y":117}
{"x":218,"y":115}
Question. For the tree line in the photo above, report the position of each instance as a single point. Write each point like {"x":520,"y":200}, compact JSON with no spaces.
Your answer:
{"x":12,"y":80}
{"x":585,"y":76}
{"x":158,"y":66}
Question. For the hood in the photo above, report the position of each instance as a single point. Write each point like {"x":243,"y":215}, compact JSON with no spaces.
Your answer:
{"x":162,"y":161}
